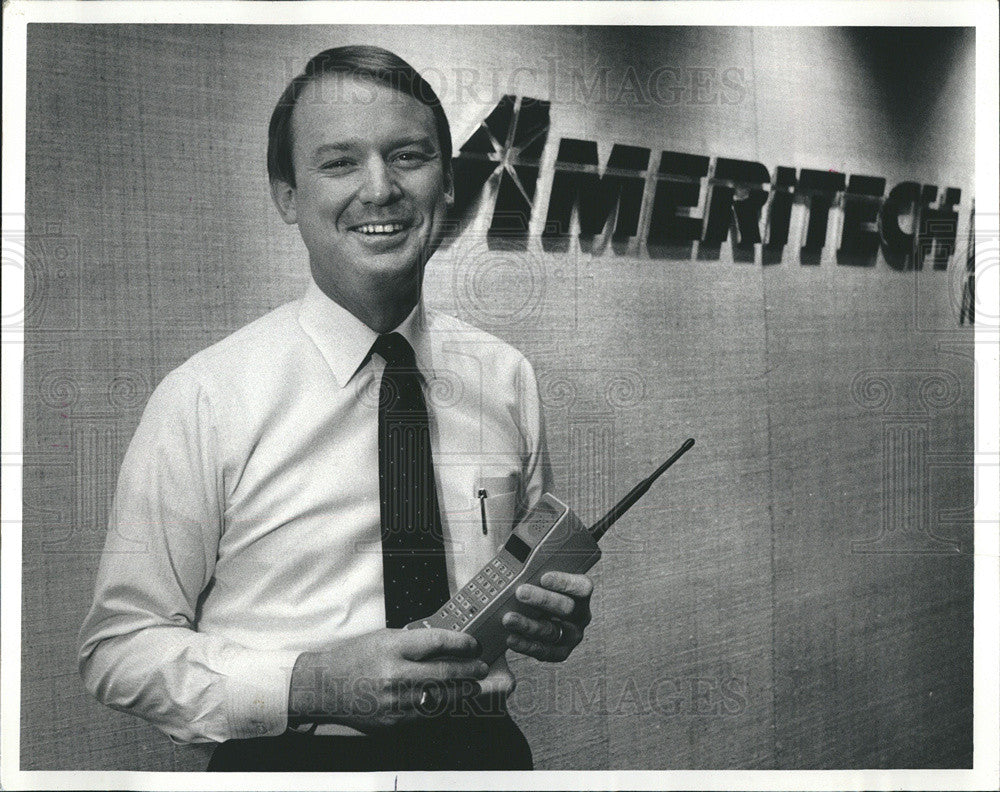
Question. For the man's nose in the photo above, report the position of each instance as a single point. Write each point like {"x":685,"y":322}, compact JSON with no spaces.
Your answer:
{"x":379,"y":185}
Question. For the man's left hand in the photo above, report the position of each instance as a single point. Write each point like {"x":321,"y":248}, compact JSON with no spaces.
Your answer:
{"x":562,"y":604}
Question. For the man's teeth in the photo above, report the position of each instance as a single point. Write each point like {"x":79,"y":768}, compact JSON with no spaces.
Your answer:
{"x":380,"y":228}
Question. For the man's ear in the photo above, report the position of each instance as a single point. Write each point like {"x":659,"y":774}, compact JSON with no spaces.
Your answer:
{"x":283,"y":195}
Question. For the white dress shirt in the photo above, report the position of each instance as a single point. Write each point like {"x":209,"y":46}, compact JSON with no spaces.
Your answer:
{"x":245,"y":528}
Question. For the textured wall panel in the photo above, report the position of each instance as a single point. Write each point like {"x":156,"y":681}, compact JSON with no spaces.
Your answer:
{"x":748,"y":611}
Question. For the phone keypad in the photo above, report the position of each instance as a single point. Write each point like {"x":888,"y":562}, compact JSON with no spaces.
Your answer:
{"x":501,"y":570}
{"x":458,"y":611}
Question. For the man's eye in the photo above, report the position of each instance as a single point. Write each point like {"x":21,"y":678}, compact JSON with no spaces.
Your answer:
{"x":337,"y":164}
{"x":411,"y":158}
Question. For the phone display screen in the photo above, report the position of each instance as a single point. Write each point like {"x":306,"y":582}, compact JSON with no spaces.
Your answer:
{"x":517,"y":547}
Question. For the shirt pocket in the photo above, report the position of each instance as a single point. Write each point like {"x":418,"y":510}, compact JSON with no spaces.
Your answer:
{"x":497,"y":502}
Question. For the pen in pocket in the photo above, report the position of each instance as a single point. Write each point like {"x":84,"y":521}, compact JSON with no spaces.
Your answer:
{"x":482,"y":509}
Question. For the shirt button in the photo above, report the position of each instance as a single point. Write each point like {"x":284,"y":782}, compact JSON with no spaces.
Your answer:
{"x":261,"y":728}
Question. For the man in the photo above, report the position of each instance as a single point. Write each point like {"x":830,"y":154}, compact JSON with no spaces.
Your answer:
{"x":298,"y":492}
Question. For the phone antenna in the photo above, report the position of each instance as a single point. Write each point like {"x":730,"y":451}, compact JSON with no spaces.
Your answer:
{"x":601,"y":526}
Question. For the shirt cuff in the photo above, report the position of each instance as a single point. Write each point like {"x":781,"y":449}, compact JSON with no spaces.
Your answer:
{"x":257,"y":685}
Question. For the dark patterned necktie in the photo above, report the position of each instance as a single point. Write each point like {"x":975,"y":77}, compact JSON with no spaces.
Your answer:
{"x":413,"y":565}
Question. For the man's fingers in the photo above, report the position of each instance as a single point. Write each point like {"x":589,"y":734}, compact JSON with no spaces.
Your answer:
{"x":549,"y":601}
{"x":548,"y":653}
{"x":546,"y":630}
{"x":436,"y":696}
{"x":499,"y":680}
{"x":431,"y":671}
{"x":579,"y":586}
{"x":431,"y":642}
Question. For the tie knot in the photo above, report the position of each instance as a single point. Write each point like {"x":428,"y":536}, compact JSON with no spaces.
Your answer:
{"x":395,"y":349}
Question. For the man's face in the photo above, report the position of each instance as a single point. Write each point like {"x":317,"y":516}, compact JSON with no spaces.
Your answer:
{"x":371,"y":188}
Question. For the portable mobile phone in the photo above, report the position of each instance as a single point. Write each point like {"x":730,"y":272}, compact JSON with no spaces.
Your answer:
{"x":550,"y":538}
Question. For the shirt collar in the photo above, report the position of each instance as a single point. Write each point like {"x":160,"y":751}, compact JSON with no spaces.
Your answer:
{"x":345,"y":341}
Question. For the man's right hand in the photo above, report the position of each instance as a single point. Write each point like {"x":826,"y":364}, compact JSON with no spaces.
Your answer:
{"x":377,"y":680}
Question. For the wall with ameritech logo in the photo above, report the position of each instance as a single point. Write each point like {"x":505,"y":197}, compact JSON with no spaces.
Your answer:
{"x":740,"y":201}
{"x":757,"y":237}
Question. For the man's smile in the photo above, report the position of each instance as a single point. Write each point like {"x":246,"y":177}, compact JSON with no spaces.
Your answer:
{"x":384,"y":236}
{"x":380,"y":229}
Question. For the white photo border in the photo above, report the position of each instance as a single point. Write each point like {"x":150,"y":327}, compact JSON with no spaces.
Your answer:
{"x":981,"y":14}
